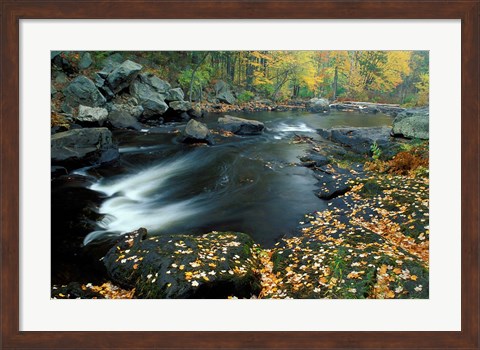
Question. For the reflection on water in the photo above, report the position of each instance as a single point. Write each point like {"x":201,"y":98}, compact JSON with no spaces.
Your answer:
{"x":245,"y":184}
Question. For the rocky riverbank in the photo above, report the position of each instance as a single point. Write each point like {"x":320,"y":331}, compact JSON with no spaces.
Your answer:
{"x":371,"y":242}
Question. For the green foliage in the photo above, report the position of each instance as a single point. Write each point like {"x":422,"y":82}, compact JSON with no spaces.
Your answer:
{"x":376,"y":151}
{"x":202,"y":80}
{"x":245,"y":96}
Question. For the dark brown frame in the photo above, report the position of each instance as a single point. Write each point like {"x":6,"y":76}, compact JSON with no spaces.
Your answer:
{"x":13,"y":10}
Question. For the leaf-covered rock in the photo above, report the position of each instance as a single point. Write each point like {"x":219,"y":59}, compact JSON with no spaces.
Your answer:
{"x":214,"y":265}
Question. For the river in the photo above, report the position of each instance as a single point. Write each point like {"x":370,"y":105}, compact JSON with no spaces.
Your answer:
{"x":241,"y":183}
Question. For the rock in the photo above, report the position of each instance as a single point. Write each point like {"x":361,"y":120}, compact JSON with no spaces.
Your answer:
{"x":92,"y":114}
{"x":241,"y":126}
{"x":175,"y":95}
{"x":134,"y":111}
{"x":196,"y":112}
{"x":223,"y":93}
{"x":85,"y":61}
{"x":80,"y":147}
{"x":53,"y":91}
{"x":149,"y":98}
{"x":64,"y":62}
{"x":180,"y":106}
{"x":121,"y":119}
{"x":412,"y":124}
{"x":220,"y":86}
{"x":121,"y":77}
{"x":159,"y":85}
{"x":82,"y":91}
{"x":196,"y":132}
{"x":226,"y":97}
{"x":317,"y":105}
{"x":314,"y":160}
{"x":74,"y":290}
{"x":359,"y":140}
{"x":214,"y":265}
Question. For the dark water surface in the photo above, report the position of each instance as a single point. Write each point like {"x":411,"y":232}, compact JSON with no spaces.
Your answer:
{"x":247,"y":184}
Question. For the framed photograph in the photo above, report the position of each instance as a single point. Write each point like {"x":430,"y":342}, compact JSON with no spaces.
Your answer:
{"x":227,"y":174}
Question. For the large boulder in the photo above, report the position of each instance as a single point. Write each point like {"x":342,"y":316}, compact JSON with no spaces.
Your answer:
{"x":196,"y":132}
{"x":82,"y":91}
{"x":121,"y":119}
{"x":152,"y":101}
{"x":223,"y":93}
{"x":181,"y":106}
{"x":317,"y":105}
{"x":92,"y":115}
{"x":123,"y":75}
{"x":358,"y":140}
{"x":214,"y":265}
{"x":226,"y":97}
{"x":135,"y":111}
{"x":241,"y":126}
{"x":413,"y":124}
{"x":80,"y":147}
{"x":159,"y":85}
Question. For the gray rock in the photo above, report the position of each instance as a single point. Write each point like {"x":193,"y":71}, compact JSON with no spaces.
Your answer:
{"x":123,"y":120}
{"x":155,"y":82}
{"x":99,"y":80}
{"x":134,"y":111}
{"x":92,"y":114}
{"x":360,"y":140}
{"x":152,"y":101}
{"x":123,"y":75}
{"x":226,"y":97}
{"x":241,"y":126}
{"x":317,"y":105}
{"x":180,"y":105}
{"x":54,"y":54}
{"x":412,"y":123}
{"x":53,"y":91}
{"x":196,"y":112}
{"x":196,"y":132}
{"x":82,"y":91}
{"x":85,"y":61}
{"x":175,"y":95}
{"x":87,"y":146}
{"x":220,"y":87}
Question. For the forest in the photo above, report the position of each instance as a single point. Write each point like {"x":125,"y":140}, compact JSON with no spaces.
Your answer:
{"x":399,"y":77}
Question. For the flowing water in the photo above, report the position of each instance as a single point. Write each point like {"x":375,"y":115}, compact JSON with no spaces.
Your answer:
{"x":247,"y":184}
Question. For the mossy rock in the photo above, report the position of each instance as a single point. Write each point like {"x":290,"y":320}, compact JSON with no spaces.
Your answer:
{"x":214,"y":265}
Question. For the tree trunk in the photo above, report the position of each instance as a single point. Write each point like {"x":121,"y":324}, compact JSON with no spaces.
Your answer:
{"x":193,"y":76}
{"x":335,"y":83}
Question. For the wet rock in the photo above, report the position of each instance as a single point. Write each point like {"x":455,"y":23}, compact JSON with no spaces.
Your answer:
{"x":80,"y":147}
{"x":358,"y":140}
{"x":214,"y":265}
{"x":121,"y":77}
{"x":196,"y":132}
{"x":314,"y":160}
{"x":241,"y":126}
{"x":121,"y":119}
{"x":74,"y":290}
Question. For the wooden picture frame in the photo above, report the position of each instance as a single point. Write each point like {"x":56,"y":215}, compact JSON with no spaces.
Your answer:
{"x":14,"y":10}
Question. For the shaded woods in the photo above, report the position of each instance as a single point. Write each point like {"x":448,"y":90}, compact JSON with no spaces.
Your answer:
{"x":399,"y":77}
